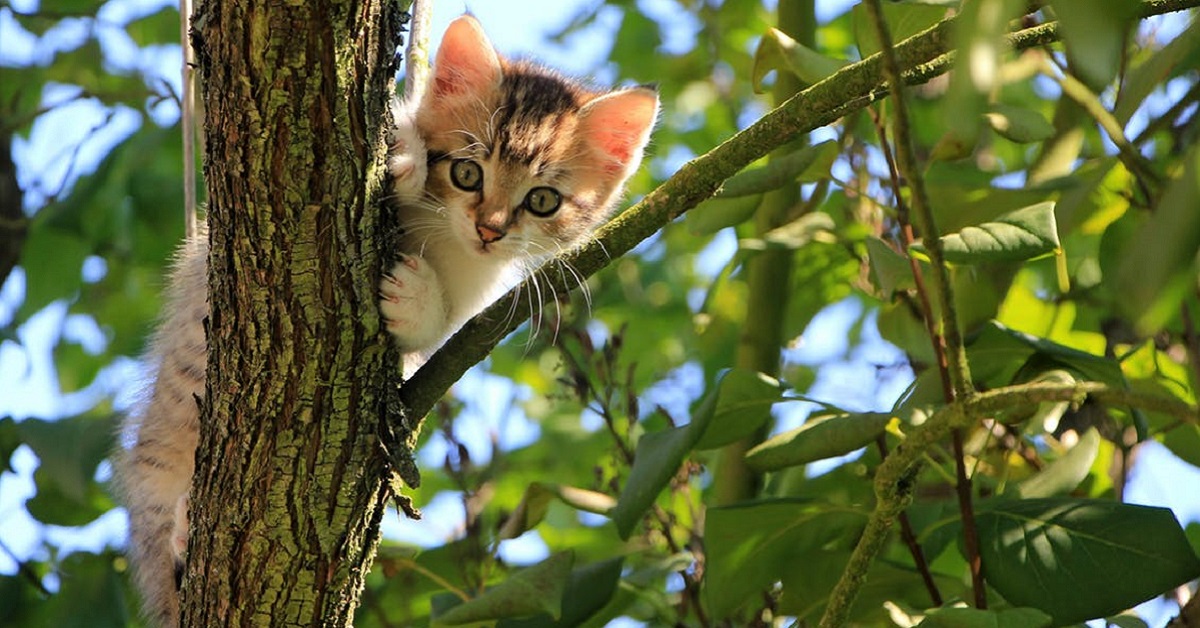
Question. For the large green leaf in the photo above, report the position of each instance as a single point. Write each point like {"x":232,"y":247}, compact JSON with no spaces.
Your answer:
{"x":533,"y":590}
{"x":819,"y":438}
{"x":1019,"y":124}
{"x":750,"y":545}
{"x":69,"y":451}
{"x":1081,"y":559}
{"x":1017,"y":236}
{"x":161,"y":27}
{"x":535,"y":503}
{"x":1145,"y":77}
{"x":53,"y":263}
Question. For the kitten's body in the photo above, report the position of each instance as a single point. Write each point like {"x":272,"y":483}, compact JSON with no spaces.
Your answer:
{"x":499,"y":167}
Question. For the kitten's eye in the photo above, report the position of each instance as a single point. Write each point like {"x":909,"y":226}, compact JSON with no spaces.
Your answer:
{"x":467,"y":175}
{"x":543,"y":201}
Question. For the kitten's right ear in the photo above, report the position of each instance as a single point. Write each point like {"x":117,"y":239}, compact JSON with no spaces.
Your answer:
{"x":466,"y":61}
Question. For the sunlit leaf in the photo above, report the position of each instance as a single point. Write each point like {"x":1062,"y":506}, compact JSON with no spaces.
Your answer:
{"x":535,"y":503}
{"x":795,"y":234}
{"x":1020,"y":235}
{"x":1018,"y":124}
{"x":160,"y":27}
{"x":819,"y":438}
{"x":1063,"y":475}
{"x":718,"y":213}
{"x":777,"y":51}
{"x":890,"y":269}
{"x":1073,"y":559}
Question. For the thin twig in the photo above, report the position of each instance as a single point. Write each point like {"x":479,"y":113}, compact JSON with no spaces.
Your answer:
{"x":187,"y":119}
{"x":416,"y":65}
{"x":910,"y":540}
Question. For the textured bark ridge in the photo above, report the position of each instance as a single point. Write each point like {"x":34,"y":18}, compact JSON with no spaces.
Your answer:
{"x":289,"y":486}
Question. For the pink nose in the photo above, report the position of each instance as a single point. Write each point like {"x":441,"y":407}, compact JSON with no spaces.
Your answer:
{"x":488,"y":234}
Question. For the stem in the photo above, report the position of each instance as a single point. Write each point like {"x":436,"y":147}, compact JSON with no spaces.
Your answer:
{"x":894,"y":477}
{"x":416,"y":68}
{"x":948,"y":345}
{"x":910,"y":540}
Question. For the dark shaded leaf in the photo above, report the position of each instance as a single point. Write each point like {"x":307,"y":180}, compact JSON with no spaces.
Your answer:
{"x":1076,"y":559}
{"x":533,"y":590}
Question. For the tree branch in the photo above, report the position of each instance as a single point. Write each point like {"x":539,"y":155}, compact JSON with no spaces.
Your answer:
{"x":895,"y":477}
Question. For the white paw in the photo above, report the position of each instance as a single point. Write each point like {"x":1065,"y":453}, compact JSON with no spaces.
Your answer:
{"x":407,"y":155}
{"x":179,"y":529}
{"x":412,"y":304}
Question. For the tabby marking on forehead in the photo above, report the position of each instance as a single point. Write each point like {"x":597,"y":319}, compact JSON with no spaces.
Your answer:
{"x":537,"y":110}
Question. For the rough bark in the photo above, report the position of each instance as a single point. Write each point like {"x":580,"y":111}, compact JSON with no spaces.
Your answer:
{"x":289,"y":486}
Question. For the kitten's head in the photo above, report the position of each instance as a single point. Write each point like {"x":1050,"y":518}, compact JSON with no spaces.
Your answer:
{"x":524,"y":162}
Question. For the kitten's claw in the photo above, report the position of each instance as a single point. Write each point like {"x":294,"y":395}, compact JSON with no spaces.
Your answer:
{"x":412,"y":303}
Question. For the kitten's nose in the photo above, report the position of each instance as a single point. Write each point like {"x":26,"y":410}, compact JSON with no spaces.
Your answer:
{"x":487,"y":234}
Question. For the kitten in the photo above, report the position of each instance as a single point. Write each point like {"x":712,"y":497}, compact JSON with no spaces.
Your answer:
{"x":499,"y":166}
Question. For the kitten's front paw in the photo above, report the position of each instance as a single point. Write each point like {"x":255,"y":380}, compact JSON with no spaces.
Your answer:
{"x":412,"y":304}
{"x":407,"y":155}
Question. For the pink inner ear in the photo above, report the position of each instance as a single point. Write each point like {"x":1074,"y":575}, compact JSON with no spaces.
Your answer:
{"x":618,"y":125}
{"x":466,"y":61}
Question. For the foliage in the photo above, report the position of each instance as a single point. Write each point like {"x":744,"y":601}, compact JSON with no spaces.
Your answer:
{"x":1061,"y":179}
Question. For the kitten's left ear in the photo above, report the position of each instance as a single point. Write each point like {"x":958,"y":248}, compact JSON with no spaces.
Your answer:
{"x":616,"y":126}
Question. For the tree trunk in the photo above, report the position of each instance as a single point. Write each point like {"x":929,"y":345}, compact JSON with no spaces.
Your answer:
{"x":289,"y":486}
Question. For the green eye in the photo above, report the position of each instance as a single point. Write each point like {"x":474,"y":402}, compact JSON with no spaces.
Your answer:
{"x":467,"y":175}
{"x":543,"y":201}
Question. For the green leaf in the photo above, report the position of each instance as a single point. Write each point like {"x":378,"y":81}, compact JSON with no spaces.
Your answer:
{"x":904,"y":19}
{"x":1095,"y":40}
{"x":1018,"y":124}
{"x":91,"y":594}
{"x":750,"y":545}
{"x":795,"y":234}
{"x":718,"y":213}
{"x":891,"y":270}
{"x":535,"y":503}
{"x":777,"y":51}
{"x":957,"y":617}
{"x":53,"y":263}
{"x":1063,"y":475}
{"x":1070,"y":557}
{"x":808,"y":581}
{"x":10,"y":439}
{"x":1145,"y":77}
{"x":589,"y":589}
{"x":533,"y":590}
{"x":805,"y":165}
{"x":69,"y":450}
{"x":161,"y":27}
{"x":1001,"y":353}
{"x":736,"y":407}
{"x":1156,"y":267}
{"x":819,"y":438}
{"x":1017,"y":236}
{"x":655,"y":462}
